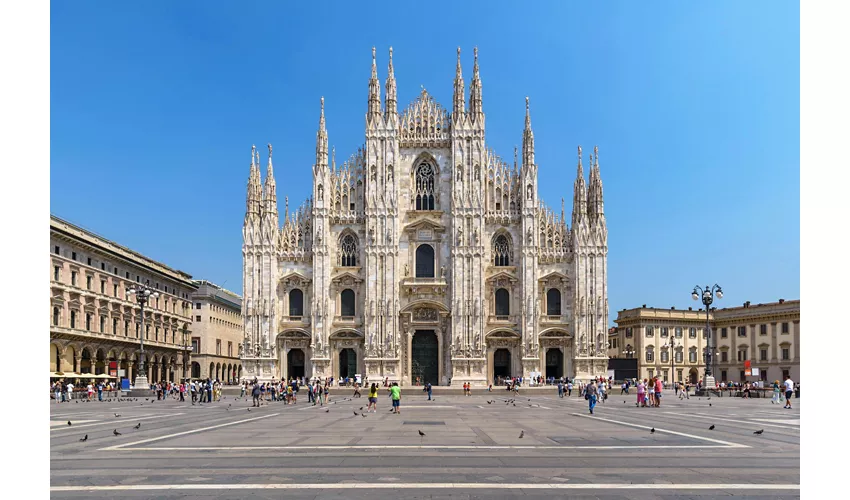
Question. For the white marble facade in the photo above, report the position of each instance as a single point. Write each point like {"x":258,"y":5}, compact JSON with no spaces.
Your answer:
{"x":425,"y":256}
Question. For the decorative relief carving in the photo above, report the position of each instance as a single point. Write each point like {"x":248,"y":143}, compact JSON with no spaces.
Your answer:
{"x":423,"y":314}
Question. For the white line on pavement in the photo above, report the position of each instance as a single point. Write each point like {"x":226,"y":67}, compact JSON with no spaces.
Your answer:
{"x":692,"y":436}
{"x":410,"y":447}
{"x":426,"y":486}
{"x":193,"y":431}
{"x":109,"y":422}
{"x":712,"y":417}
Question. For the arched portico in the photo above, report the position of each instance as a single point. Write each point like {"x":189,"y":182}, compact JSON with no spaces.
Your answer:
{"x":556,"y":346}
{"x":299,"y":363}
{"x":503,"y":355}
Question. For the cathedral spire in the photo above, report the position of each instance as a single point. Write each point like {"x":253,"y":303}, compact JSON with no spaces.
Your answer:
{"x":594,"y":190}
{"x":579,"y":193}
{"x":527,"y":139}
{"x":374,"y":91}
{"x":392,"y":98}
{"x":459,"y":102}
{"x":255,"y":193}
{"x":286,"y":205}
{"x":322,"y":140}
{"x":270,"y":188}
{"x":475,"y":101}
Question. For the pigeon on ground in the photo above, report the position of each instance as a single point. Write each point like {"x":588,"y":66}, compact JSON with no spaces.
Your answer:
{"x":117,"y":415}
{"x":709,"y":404}
{"x":652,"y":431}
{"x":355,"y":413}
{"x":529,"y":400}
{"x":249,"y":409}
{"x":711,"y":428}
{"x":421,"y":433}
{"x":115,"y":432}
{"x":137,"y":426}
{"x":69,"y":422}
{"x":327,"y":410}
{"x":759,"y":431}
{"x":514,"y":404}
{"x":363,"y":415}
{"x":521,"y":434}
{"x":85,"y":438}
{"x":361,"y":408}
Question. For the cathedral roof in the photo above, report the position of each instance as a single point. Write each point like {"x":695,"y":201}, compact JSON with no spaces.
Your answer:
{"x":424,"y":123}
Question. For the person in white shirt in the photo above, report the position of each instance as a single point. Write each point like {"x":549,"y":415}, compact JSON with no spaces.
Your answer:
{"x":789,"y":391}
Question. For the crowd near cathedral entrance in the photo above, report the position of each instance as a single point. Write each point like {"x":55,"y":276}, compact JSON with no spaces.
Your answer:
{"x":424,"y":255}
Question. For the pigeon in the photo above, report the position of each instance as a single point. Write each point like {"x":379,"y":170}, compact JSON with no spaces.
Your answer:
{"x":521,"y":434}
{"x":69,"y":423}
{"x":363,"y":415}
{"x":355,"y":413}
{"x":327,"y":410}
{"x":115,"y":432}
{"x":489,"y":402}
{"x":652,"y":431}
{"x":709,"y":404}
{"x":361,"y":408}
{"x":249,"y":409}
{"x":117,"y":415}
{"x":422,"y":434}
{"x":514,"y":404}
{"x":85,"y":438}
{"x":711,"y":428}
{"x":529,"y":400}
{"x":759,"y":431}
{"x":137,"y":426}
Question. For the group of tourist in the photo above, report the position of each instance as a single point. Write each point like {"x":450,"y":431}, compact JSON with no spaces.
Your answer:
{"x":63,"y":391}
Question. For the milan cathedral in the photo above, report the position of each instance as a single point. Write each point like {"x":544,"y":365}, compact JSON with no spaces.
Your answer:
{"x":425,"y":257}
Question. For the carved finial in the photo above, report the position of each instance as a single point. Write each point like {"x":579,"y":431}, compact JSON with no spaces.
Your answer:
{"x":516,"y":150}
{"x":596,"y":154}
{"x":333,"y":157}
{"x":270,"y":151}
{"x":391,"y":55}
{"x":373,"y":55}
{"x":253,"y":153}
{"x":579,"y":153}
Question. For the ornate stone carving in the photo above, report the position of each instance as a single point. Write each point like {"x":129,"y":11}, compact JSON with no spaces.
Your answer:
{"x":424,"y":314}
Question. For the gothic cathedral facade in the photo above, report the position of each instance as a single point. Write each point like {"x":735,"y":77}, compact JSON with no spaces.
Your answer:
{"x":425,"y":257}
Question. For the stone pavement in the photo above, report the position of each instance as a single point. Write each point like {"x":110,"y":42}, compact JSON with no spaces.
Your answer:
{"x":471,"y":449}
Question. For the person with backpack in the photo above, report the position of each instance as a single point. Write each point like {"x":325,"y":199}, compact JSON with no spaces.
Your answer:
{"x":428,"y":389}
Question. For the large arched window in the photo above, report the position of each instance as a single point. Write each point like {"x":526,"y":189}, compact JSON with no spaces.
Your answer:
{"x":503,"y":302}
{"x":424,"y":261}
{"x":346,"y":299}
{"x":296,"y":303}
{"x":425,"y":181}
{"x":553,"y":302}
{"x":501,"y":251}
{"x":348,"y":251}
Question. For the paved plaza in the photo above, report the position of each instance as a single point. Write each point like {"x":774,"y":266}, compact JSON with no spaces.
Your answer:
{"x":538,"y":446}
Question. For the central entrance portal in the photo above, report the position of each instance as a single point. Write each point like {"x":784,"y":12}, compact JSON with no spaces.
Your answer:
{"x":347,"y":363}
{"x":501,"y":364}
{"x":425,"y":364}
{"x":295,"y":363}
{"x":554,"y":363}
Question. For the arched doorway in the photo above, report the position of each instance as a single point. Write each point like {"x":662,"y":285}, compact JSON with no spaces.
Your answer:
{"x":425,"y":358}
{"x":295,"y":363}
{"x":501,"y":364}
{"x":347,"y":363}
{"x":693,"y":375}
{"x":86,"y":361}
{"x":196,"y":370}
{"x":55,"y":358}
{"x":554,"y":363}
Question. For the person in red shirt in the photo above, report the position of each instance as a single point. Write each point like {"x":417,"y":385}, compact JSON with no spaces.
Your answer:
{"x":658,"y":387}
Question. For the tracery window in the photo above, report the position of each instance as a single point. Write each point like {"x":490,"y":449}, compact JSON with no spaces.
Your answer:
{"x":425,"y":180}
{"x":501,"y":251}
{"x":348,"y":251}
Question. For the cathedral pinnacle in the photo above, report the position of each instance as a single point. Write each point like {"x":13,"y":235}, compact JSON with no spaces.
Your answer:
{"x":459,"y":97}
{"x":475,"y":99}
{"x":579,"y":193}
{"x":322,"y":139}
{"x":270,"y":189}
{"x":527,"y":139}
{"x":392,"y":99}
{"x":374,"y":91}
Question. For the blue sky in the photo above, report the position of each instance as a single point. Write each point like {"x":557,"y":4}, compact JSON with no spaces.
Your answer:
{"x":695,"y":108}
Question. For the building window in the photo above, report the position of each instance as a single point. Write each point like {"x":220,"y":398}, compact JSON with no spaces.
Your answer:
{"x":73,"y":278}
{"x":56,"y":250}
{"x":692,"y":356}
{"x":665,"y":356}
{"x":115,"y":290}
{"x":55,"y":273}
{"x":197,"y":305}
{"x":614,"y":343}
{"x":73,"y":255}
{"x":147,"y":331}
{"x":664,"y":332}
{"x":102,"y":324}
{"x":763,"y":330}
{"x":666,"y":374}
{"x":742,"y":355}
{"x":743,"y":377}
{"x":786,"y":374}
{"x":88,"y":282}
{"x":73,"y":319}
{"x":762,"y":354}
{"x":786,"y":353}
{"x":503,"y":302}
{"x":88,"y":321}
{"x":553,"y":302}
{"x":723,"y":375}
{"x":628,"y":333}
{"x":424,"y":261}
{"x":723,"y":333}
{"x":230,"y":349}
{"x":296,"y":303}
{"x":138,"y":326}
{"x":651,"y":373}
{"x":127,"y":275}
{"x":649,"y":332}
{"x":679,"y":332}
{"x":348,"y":251}
{"x":218,"y":347}
{"x":103,"y":266}
{"x":114,"y":326}
{"x":196,"y":345}
{"x":115,"y":271}
{"x":156,"y":334}
{"x":680,"y":356}
{"x":784,"y":327}
{"x":679,"y":375}
{"x":742,"y":331}
{"x":501,"y":251}
{"x":692,"y":333}
{"x":88,"y":261}
{"x":724,"y":356}
{"x":197,"y":318}
{"x":55,"y":316}
{"x":346,"y":298}
{"x":424,"y":194}
{"x":103,"y":287}
{"x":650,"y":356}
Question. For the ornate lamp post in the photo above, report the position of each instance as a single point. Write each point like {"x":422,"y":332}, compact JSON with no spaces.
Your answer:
{"x":142,"y":294}
{"x":186,"y":349}
{"x":707,"y":295}
{"x":671,"y":346}
{"x":628,"y":351}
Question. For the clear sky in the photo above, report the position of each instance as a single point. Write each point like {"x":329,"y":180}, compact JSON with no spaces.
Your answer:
{"x":695,"y":107}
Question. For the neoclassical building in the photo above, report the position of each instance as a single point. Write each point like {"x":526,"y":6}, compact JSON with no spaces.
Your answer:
{"x":424,"y":256}
{"x":216,"y":333}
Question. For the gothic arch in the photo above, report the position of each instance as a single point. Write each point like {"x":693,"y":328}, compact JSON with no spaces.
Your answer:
{"x":425,"y":182}
{"x":502,"y":248}
{"x":425,"y":303}
{"x":348,"y":249}
{"x":555,"y":331}
{"x":341,"y":333}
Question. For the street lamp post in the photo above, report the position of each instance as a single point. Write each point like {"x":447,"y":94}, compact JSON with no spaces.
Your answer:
{"x":185,"y":351}
{"x":142,"y":294}
{"x":707,"y":295}
{"x":671,"y":346}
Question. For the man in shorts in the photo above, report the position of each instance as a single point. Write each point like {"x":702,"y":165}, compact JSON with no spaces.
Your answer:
{"x":789,"y":390}
{"x":395,"y":394}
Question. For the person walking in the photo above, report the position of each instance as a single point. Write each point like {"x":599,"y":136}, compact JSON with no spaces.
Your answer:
{"x":560,"y":389}
{"x":590,"y":395}
{"x":641,"y":394}
{"x":602,"y":389}
{"x":650,"y":390}
{"x":373,"y":398}
{"x":569,"y":389}
{"x":395,"y":394}
{"x":194,"y":391}
{"x":658,"y":387}
{"x":428,"y":389}
{"x":789,"y":391}
{"x":255,"y":393}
